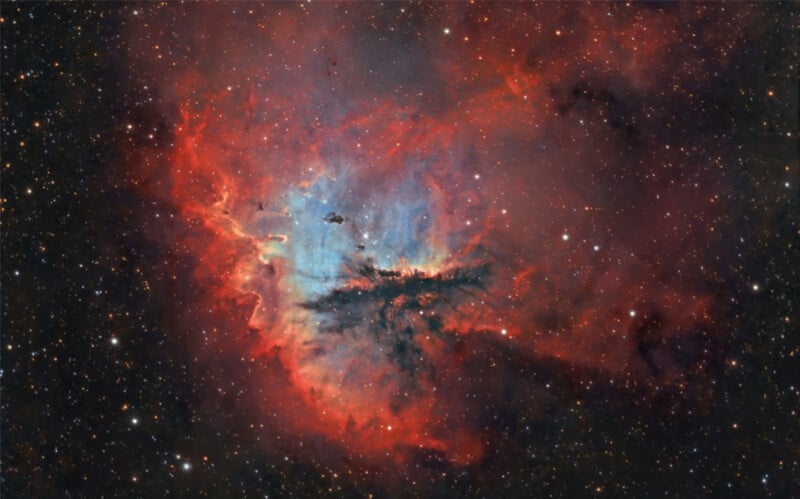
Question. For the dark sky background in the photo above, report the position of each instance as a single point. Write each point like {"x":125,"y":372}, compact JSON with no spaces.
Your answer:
{"x":400,"y":249}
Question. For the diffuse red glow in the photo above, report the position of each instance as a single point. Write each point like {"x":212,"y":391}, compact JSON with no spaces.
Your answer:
{"x":508,"y":177}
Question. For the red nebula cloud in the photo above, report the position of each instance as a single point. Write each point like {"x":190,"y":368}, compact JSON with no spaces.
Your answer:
{"x":501,"y":142}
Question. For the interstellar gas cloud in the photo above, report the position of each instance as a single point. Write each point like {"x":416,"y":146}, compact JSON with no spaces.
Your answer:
{"x":449,"y":249}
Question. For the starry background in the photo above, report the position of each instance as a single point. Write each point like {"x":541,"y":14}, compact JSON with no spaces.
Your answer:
{"x":106,"y":390}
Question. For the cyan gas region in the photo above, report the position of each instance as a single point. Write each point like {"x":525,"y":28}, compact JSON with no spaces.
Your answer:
{"x":334,"y":223}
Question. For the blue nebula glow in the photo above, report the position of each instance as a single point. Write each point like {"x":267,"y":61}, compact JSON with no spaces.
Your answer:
{"x":392,"y":226}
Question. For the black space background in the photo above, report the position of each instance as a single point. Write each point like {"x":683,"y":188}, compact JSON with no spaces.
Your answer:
{"x":75,"y":259}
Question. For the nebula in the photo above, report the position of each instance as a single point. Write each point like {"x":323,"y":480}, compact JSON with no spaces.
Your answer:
{"x":369,"y":198}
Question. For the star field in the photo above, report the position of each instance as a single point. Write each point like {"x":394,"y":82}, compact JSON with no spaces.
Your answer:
{"x":399,"y":249}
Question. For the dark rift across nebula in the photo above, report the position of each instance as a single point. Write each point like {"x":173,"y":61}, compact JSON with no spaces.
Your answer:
{"x":394,"y":309}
